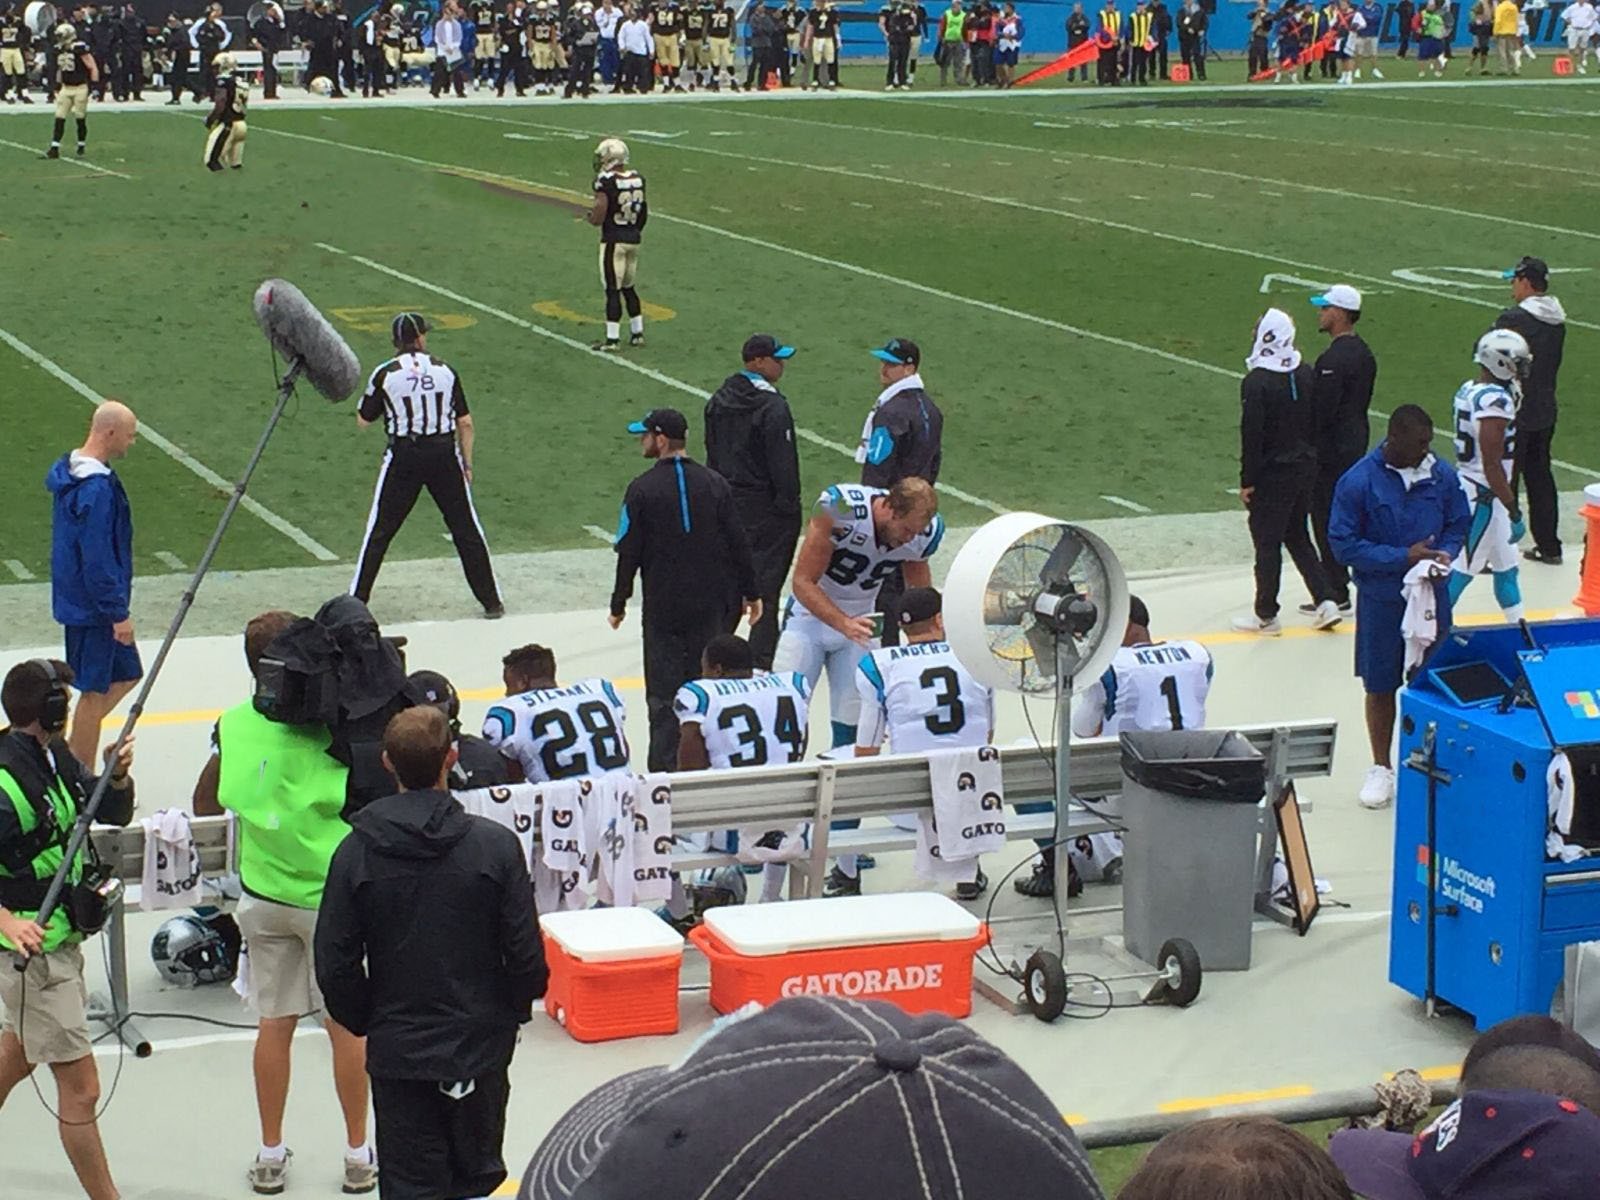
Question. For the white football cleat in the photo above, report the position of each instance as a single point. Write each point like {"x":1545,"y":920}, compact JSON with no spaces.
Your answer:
{"x":1377,"y":789}
{"x":1254,"y":624}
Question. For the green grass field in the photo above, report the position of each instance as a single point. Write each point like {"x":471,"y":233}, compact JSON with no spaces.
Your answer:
{"x":1081,"y":268}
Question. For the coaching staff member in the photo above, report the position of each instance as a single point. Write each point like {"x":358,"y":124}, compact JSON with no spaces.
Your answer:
{"x":903,"y":437}
{"x":1398,"y":506}
{"x":428,"y":945}
{"x":1341,"y":393}
{"x":424,"y":411}
{"x":91,"y":571}
{"x":679,"y":530}
{"x":1540,"y":319}
{"x":42,"y":791}
{"x":750,"y":442}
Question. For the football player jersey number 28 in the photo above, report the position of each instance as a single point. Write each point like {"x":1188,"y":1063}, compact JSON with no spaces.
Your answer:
{"x":605,"y":740}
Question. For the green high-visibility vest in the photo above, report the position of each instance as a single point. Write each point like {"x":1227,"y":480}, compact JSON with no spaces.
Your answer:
{"x":954,"y":22}
{"x":288,"y":795}
{"x":58,"y":931}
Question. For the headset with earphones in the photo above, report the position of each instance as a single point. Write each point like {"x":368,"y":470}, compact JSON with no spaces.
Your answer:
{"x":58,"y":703}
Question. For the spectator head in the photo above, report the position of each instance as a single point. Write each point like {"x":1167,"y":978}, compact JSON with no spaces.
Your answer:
{"x":907,"y":509}
{"x":1076,"y":8}
{"x":409,"y":331}
{"x":418,"y":749}
{"x":920,"y":615}
{"x":1530,"y":277}
{"x":1339,"y":309}
{"x":432,"y":688}
{"x":528,"y":667}
{"x":661,"y":431}
{"x":32,"y":699}
{"x":1410,"y":436}
{"x":727,"y":656}
{"x":260,"y":633}
{"x":897,"y":359}
{"x":1236,"y":1158}
{"x":1138,"y":623}
{"x":1527,"y":1031}
{"x":788,"y":1101}
{"x":765,"y":355}
{"x":112,"y":431}
{"x":1485,"y":1146}
{"x":1542,"y":1069}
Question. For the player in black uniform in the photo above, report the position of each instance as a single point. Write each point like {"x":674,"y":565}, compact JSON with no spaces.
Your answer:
{"x":696,"y":55}
{"x":15,"y":38}
{"x":792,"y":21}
{"x":75,"y":70}
{"x":620,"y":213}
{"x":720,"y":27}
{"x":666,"y":22}
{"x":225,"y":123}
{"x":822,"y":30}
{"x":513,"y":60}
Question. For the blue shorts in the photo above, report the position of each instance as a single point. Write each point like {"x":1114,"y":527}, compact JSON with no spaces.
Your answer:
{"x":1005,"y":58}
{"x":1429,"y":48}
{"x":98,"y":660}
{"x":1380,"y":650}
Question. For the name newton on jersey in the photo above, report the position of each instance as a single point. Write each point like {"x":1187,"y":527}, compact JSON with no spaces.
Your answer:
{"x":1162,"y":656}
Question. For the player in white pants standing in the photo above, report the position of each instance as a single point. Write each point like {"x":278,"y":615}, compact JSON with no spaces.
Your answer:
{"x":1583,"y":22}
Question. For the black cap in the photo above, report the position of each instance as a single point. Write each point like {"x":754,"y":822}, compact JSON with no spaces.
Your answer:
{"x":1534,"y":270}
{"x":918,"y":605}
{"x":668,"y":422}
{"x":764,"y":345}
{"x":408,"y":327}
{"x":900,"y":351}
{"x":812,"y":1091}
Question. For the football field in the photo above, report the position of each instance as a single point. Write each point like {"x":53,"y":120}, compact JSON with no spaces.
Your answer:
{"x":1081,"y":268}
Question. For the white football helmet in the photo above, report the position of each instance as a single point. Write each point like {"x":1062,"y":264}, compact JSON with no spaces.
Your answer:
{"x":224,"y":64}
{"x":611,"y":152}
{"x":1505,"y":354}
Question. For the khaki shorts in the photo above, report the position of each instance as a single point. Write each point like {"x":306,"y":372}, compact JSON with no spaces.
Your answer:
{"x":1365,"y":47}
{"x":73,"y":102}
{"x":543,"y":55}
{"x":694,"y":53}
{"x":283,"y":976}
{"x":823,"y":50}
{"x":11,"y":62}
{"x":53,"y":1003}
{"x":667,"y":52}
{"x":619,"y":263}
{"x":719,"y":52}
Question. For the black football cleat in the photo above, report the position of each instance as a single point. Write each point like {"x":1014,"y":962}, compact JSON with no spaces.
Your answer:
{"x":53,"y":152}
{"x":636,"y":339}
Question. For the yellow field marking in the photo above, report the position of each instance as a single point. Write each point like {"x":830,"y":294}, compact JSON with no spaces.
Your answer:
{"x":560,"y":312}
{"x":517,"y":185}
{"x":1435,"y":1074}
{"x":375,"y":318}
{"x":508,"y":1188}
{"x":1196,"y":1103}
{"x":1074,"y":1118}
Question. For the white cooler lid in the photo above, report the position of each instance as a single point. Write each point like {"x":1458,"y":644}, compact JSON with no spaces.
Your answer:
{"x":612,"y":934}
{"x":766,"y":929}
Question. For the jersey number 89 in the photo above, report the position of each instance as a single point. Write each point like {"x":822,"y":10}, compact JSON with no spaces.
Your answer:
{"x":846,"y":567}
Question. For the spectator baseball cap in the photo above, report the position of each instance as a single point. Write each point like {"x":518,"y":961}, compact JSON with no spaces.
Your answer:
{"x":764,"y":345}
{"x":408,"y":327}
{"x":1340,"y":295}
{"x":918,"y":605}
{"x":900,"y":351}
{"x":794,"y":1099}
{"x":1485,"y":1146}
{"x":434,"y":689}
{"x":668,"y":422}
{"x":1534,"y":270}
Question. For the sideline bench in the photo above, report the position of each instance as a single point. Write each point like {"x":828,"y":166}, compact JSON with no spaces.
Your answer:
{"x":818,"y":791}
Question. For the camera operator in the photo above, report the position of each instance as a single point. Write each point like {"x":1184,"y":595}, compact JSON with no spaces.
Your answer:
{"x":43,"y":790}
{"x":287,"y":793}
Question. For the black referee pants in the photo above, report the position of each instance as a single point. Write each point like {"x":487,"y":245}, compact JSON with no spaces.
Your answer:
{"x":409,"y":465}
{"x":434,"y":1146}
{"x":672,"y":659}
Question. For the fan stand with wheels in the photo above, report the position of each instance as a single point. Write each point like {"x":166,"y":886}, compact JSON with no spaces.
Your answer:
{"x":1037,"y":606}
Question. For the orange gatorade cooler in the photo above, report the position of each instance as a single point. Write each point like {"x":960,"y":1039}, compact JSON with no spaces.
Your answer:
{"x":613,"y":972}
{"x":913,"y":949}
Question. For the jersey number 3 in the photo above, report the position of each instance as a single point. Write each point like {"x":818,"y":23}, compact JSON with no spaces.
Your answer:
{"x":950,"y":714}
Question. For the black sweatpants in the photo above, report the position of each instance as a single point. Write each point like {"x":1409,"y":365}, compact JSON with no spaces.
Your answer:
{"x":177,"y":75}
{"x":1194,"y":56}
{"x":672,"y":659}
{"x":1533,"y":471}
{"x":434,"y":1146}
{"x":1105,"y":68}
{"x":1278,"y":511}
{"x":269,"y":76}
{"x":408,"y":467}
{"x":1258,"y":57}
{"x":773,"y":537}
{"x":1333,"y":570}
{"x":899,"y":63}
{"x":514,"y":68}
{"x":580,"y":70}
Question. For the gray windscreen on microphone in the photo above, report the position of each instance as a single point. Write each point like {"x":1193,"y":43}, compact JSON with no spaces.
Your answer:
{"x":302,"y":334}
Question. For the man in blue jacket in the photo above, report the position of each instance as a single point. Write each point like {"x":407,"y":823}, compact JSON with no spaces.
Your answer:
{"x":91,"y":572}
{"x":1396,"y":507}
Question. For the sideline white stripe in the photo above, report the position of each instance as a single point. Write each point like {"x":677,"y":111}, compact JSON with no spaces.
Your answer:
{"x":289,"y":530}
{"x":20,"y":571}
{"x":574,"y":344}
{"x":1131,"y":505}
{"x":77,"y":162}
{"x":600,"y":535}
{"x":169,"y":559}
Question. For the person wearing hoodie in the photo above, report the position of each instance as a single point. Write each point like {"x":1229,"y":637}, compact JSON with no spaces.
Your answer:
{"x":750,"y":443}
{"x":1542,"y":322}
{"x":91,"y":571}
{"x":427,"y":944}
{"x":1277,"y":472}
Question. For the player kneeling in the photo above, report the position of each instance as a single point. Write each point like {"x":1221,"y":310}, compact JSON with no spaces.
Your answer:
{"x":225,"y":122}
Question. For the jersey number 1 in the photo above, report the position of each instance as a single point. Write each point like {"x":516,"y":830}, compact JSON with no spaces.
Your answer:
{"x":1169,"y":689}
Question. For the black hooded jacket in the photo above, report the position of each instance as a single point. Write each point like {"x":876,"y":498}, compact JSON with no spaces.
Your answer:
{"x":427,"y":940}
{"x":750,"y":443}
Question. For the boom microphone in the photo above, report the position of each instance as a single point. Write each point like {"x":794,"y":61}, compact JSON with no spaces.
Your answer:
{"x":303,"y":336}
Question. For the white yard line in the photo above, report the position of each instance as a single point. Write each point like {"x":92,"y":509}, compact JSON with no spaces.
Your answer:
{"x":66,"y":157}
{"x":169,"y":559}
{"x":18,"y":570}
{"x":1130,"y":505}
{"x":179,"y":455}
{"x":600,"y":535}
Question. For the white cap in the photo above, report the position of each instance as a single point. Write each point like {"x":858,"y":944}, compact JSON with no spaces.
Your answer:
{"x":1340,"y":295}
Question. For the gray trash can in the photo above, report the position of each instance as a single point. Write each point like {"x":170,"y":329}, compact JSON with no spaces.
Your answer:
{"x":1190,"y":802}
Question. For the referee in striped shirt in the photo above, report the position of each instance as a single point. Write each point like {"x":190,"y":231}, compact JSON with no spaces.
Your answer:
{"x":424,"y":411}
